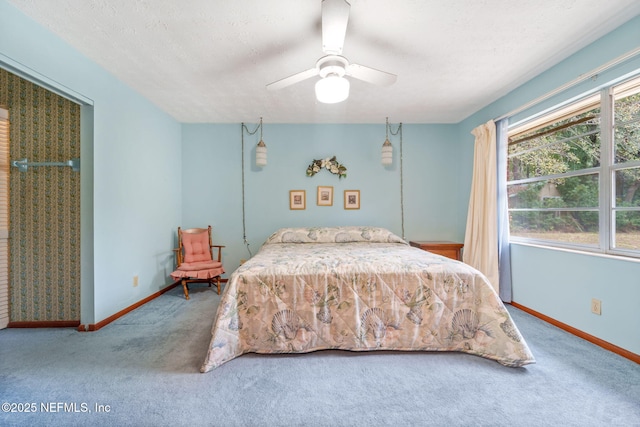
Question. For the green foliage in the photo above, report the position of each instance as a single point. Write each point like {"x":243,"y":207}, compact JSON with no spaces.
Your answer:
{"x":626,"y":221}
{"x":627,"y":129}
{"x":571,"y":148}
{"x":581,"y":192}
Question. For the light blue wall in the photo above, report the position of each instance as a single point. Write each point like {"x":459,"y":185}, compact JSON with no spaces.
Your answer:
{"x":562,"y":284}
{"x":557,"y":283}
{"x":131,"y":203}
{"x":212,"y":181}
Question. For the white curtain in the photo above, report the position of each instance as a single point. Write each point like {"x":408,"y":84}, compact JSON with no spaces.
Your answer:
{"x":481,"y":238}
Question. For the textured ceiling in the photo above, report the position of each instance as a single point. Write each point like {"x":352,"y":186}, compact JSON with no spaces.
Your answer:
{"x":210,"y":60}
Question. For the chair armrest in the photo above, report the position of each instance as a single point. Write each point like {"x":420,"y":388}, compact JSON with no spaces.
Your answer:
{"x":219,"y":251}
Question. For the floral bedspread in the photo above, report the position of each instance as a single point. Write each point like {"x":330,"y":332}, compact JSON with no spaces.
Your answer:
{"x":361,"y":289}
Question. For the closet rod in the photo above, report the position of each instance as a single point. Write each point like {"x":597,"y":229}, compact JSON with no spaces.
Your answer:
{"x":23,"y":164}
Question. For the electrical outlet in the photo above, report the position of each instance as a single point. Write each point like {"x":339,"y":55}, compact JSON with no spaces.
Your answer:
{"x":596,"y":306}
{"x":135,"y":280}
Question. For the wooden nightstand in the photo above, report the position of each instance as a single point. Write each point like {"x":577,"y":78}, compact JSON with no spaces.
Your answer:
{"x":449,"y":249}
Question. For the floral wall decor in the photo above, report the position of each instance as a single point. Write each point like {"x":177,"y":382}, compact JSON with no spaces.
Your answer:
{"x":331,"y":164}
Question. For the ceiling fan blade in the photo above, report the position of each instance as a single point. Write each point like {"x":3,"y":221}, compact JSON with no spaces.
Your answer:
{"x":288,"y":81}
{"x":335,"y":16}
{"x":371,"y":75}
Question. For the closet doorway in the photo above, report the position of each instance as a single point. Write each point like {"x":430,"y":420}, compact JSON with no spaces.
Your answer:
{"x":44,"y":205}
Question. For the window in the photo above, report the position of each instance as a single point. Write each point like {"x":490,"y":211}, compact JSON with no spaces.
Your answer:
{"x":574,"y":174}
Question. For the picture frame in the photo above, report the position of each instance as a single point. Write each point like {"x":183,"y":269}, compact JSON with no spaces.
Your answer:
{"x":352,"y":199}
{"x":297,"y":199}
{"x":325,"y":195}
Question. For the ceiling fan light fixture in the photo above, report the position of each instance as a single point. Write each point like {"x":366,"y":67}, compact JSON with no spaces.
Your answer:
{"x":333,"y":66}
{"x":332,"y":89}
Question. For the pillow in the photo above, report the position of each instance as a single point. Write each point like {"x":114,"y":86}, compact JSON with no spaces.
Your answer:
{"x":196,"y":247}
{"x":348,"y":234}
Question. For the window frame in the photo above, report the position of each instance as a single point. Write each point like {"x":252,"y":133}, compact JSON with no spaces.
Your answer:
{"x":606,"y":170}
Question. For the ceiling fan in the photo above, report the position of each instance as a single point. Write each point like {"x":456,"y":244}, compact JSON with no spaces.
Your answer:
{"x":333,"y":67}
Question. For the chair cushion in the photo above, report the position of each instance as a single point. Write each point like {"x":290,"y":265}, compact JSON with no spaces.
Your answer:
{"x":196,"y":247}
{"x":198,"y":270}
{"x":202,"y":265}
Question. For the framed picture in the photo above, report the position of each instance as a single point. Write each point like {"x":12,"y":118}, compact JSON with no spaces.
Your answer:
{"x":352,"y":199}
{"x":325,"y":196}
{"x":297,"y":199}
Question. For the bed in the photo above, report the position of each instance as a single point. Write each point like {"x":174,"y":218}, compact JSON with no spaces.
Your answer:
{"x":359,"y":289}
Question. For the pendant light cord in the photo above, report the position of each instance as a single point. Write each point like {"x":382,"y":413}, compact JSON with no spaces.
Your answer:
{"x":244,"y":128}
{"x":399,"y":131}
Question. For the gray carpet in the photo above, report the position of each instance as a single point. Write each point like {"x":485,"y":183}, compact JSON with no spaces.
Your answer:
{"x":143,"y":370}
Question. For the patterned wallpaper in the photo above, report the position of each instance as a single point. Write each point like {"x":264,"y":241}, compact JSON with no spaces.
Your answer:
{"x":44,"y":230}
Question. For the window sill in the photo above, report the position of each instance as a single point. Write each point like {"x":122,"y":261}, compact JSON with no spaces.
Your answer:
{"x":577,"y":251}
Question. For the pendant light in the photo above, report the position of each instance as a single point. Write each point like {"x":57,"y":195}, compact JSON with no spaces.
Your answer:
{"x":387,"y":148}
{"x":261,"y":150}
